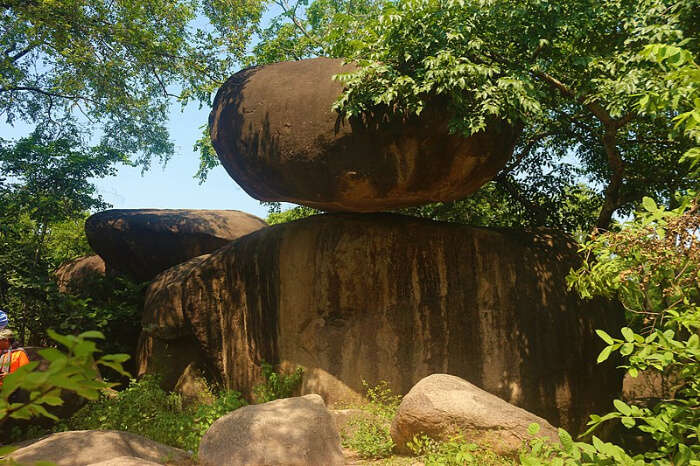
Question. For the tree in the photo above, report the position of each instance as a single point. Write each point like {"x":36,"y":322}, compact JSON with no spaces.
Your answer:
{"x":570,"y":72}
{"x":109,"y":69}
{"x":43,"y":206}
{"x":651,"y":266}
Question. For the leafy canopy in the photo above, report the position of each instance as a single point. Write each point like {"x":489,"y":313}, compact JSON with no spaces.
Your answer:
{"x":570,"y":72}
{"x":109,"y":69}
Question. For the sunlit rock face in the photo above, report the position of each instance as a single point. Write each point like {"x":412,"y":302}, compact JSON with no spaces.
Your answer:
{"x":277,"y":136}
{"x":141,"y":243}
{"x":374,"y":297}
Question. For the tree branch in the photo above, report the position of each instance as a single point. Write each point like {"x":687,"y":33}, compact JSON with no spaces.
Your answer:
{"x":612,"y":190}
{"x":292,"y":15}
{"x":21,"y":53}
{"x":43,"y":92}
{"x":526,"y":150}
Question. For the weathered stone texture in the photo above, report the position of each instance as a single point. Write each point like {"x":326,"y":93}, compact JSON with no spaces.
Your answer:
{"x":81,"y":447}
{"x":442,"y":406}
{"x":295,"y":431}
{"x":75,"y":276}
{"x":386,"y":297}
{"x":141,"y":243}
{"x":277,"y":136}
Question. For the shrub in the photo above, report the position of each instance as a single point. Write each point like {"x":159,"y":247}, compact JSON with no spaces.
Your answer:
{"x":369,"y":435}
{"x":146,"y":409}
{"x":277,"y":384}
{"x":652,"y":265}
{"x":454,"y":452}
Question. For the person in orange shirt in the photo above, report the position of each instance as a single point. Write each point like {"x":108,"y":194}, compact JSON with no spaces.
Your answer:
{"x":11,"y":358}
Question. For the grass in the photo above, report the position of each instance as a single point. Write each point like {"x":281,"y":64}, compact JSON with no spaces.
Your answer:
{"x":145,"y":409}
{"x":369,"y":437}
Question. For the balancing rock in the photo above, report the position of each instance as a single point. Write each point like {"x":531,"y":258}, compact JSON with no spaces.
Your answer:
{"x":277,"y":136}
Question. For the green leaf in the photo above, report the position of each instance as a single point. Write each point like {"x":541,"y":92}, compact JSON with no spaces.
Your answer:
{"x":628,"y":334}
{"x":628,"y":422}
{"x":566,"y":440}
{"x":604,"y":354}
{"x":649,"y":204}
{"x":622,"y":407}
{"x":533,"y":428}
{"x":94,"y":334}
{"x":626,"y":349}
{"x":606,"y":338}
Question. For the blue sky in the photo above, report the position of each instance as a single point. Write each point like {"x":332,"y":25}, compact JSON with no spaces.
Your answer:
{"x":173,"y":187}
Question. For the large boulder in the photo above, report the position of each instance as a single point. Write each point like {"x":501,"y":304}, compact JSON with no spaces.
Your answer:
{"x":167,"y":346}
{"x":141,"y":243}
{"x":82,"y":447}
{"x":76,"y":276}
{"x":353,"y":297}
{"x":277,"y":136}
{"x":292,"y":432}
{"x":442,"y":406}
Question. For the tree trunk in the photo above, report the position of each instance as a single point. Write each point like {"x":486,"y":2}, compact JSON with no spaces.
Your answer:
{"x":612,"y":191}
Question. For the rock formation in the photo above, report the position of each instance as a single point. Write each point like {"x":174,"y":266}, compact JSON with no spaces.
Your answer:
{"x":276,"y":135}
{"x":167,"y":345}
{"x":75,"y":276}
{"x":292,"y":432}
{"x":442,"y":406}
{"x":85,"y":447}
{"x":141,"y":243}
{"x":387,"y":297}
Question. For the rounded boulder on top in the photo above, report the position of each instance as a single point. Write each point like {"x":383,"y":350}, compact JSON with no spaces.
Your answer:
{"x":277,"y":135}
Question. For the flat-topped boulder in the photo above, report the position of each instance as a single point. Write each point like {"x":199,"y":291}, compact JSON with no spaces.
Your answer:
{"x":277,"y":136}
{"x":353,"y":297}
{"x":141,"y":243}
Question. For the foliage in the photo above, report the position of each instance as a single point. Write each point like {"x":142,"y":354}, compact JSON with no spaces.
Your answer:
{"x":277,"y":384}
{"x":369,"y":435}
{"x":370,"y":438}
{"x":652,"y":266}
{"x":276,"y":215}
{"x":322,"y":28}
{"x":454,"y":452}
{"x":381,"y":400}
{"x":572,"y":210}
{"x":74,"y":371}
{"x":567,"y":452}
{"x":108,"y":70}
{"x":146,"y":409}
{"x":569,"y":73}
{"x":43,"y":205}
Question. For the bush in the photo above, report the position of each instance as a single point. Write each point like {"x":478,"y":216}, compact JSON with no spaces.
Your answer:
{"x":145,"y":409}
{"x":369,"y":435}
{"x":454,"y":452}
{"x":277,"y":384}
{"x":652,"y":265}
